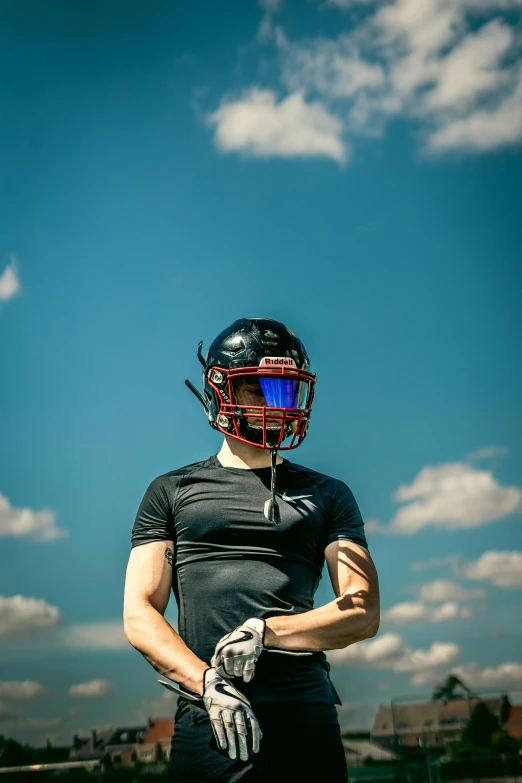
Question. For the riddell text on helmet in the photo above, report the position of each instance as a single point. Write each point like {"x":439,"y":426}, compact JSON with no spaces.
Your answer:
{"x":277,"y":361}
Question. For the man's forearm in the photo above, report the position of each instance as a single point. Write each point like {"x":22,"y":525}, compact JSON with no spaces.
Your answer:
{"x":333,"y":626}
{"x":149,"y":632}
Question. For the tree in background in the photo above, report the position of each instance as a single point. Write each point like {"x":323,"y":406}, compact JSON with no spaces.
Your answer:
{"x":483,"y":736}
{"x":447,"y":690}
{"x":12,"y":754}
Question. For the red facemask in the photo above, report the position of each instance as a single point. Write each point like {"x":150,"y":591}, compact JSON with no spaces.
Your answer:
{"x":267,"y":406}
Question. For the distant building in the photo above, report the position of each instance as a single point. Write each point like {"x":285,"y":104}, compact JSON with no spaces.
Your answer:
{"x":513,"y":723}
{"x":155,"y":747}
{"x":433,"y":724}
{"x":92,"y":747}
{"x":122,"y":746}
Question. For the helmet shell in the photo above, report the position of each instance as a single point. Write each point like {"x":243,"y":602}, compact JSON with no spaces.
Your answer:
{"x":245,"y":343}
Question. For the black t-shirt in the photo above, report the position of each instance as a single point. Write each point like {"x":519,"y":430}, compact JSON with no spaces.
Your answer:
{"x":231,"y":563}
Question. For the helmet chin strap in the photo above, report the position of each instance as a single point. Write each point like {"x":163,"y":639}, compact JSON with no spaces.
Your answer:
{"x":271,"y":506}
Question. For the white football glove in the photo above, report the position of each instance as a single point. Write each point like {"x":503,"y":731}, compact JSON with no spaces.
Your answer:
{"x":236,"y":654}
{"x":230,"y":712}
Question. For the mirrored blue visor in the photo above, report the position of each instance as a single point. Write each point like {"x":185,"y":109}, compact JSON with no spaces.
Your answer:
{"x":272,"y":391}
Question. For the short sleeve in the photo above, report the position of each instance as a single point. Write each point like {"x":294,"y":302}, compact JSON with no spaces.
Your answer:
{"x":344,"y":518}
{"x":154,"y":517}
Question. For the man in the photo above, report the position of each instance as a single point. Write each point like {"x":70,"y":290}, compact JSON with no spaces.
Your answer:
{"x":242,"y":538}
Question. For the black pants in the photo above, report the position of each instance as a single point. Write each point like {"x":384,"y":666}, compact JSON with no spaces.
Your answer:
{"x":301,"y":743}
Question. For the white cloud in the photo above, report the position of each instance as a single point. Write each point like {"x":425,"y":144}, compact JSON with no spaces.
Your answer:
{"x":447,"y":590}
{"x":332,"y":68}
{"x":503,"y":675}
{"x":21,"y":689}
{"x":103,"y":635}
{"x":501,"y":568}
{"x":266,"y":27}
{"x":448,"y":611}
{"x":435,"y":562}
{"x":257,"y":125}
{"x":406,"y":612}
{"x":453,"y":496}
{"x":485,"y":128}
{"x":472,"y":68}
{"x":417,"y":611}
{"x":492,"y":5}
{"x":487,"y":452}
{"x":373,"y":526}
{"x":9,"y":281}
{"x":451,"y":66}
{"x":26,"y":523}
{"x":420,"y":29}
{"x":20,"y":615}
{"x":427,"y":678}
{"x":439,"y":655}
{"x":379,"y":652}
{"x":94,"y":689}
{"x":350,"y":3}
{"x":389,"y":651}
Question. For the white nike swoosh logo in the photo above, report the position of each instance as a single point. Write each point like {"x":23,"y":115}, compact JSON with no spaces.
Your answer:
{"x":295,"y":497}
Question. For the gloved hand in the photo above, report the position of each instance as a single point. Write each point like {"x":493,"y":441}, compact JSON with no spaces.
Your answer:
{"x":236,"y":654}
{"x":230,"y":712}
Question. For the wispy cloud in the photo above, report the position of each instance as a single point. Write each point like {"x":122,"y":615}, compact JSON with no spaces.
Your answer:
{"x":21,"y":615}
{"x":416,"y":611}
{"x":256,"y":124}
{"x":452,"y":67}
{"x":389,"y":651}
{"x":435,"y":562}
{"x":507,"y":674}
{"x":9,"y":281}
{"x":266,"y":26}
{"x":500,"y":568}
{"x":487,"y":452}
{"x":103,"y":635}
{"x":31,"y":724}
{"x":447,"y":590}
{"x":26,"y":523}
{"x":451,"y":496}
{"x":444,"y":592}
{"x":93,"y":689}
{"x":24,"y":690}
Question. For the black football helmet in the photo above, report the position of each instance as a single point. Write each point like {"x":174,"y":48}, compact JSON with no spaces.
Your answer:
{"x":258,"y":385}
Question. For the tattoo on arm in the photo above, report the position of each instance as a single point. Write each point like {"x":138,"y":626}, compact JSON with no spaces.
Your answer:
{"x":169,"y":554}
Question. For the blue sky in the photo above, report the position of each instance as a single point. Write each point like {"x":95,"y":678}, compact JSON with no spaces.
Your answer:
{"x":352,"y":169}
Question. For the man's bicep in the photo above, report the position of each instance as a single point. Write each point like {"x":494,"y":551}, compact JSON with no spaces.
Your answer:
{"x":352,"y":570}
{"x":149,"y":577}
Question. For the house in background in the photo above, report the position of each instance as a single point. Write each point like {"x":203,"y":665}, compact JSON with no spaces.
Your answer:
{"x":430,"y":724}
{"x":155,"y":747}
{"x":122,"y":747}
{"x":92,"y":747}
{"x":513,"y":724}
{"x":405,"y":723}
{"x":125,"y":747}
